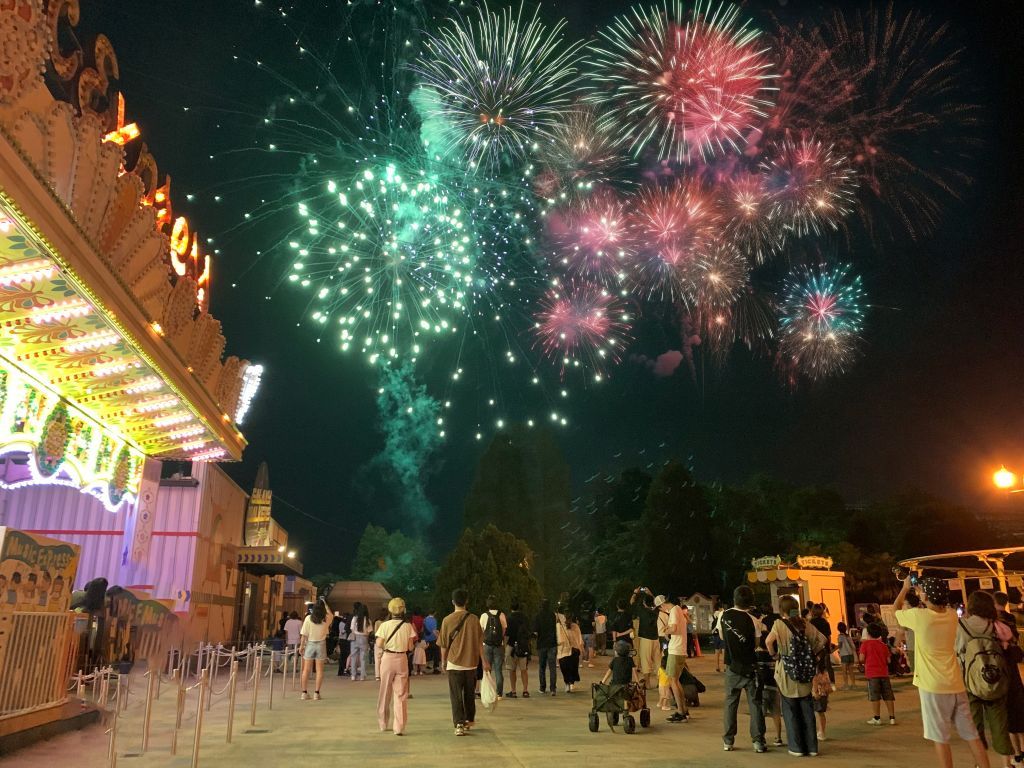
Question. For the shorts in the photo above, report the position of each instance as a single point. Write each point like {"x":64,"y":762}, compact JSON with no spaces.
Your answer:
{"x":821,"y":704}
{"x":588,"y":641}
{"x":716,"y":642}
{"x":516,"y":663}
{"x":940,"y":711}
{"x":880,"y":689}
{"x":675,"y":666}
{"x":315,"y":650}
{"x":846,"y":659}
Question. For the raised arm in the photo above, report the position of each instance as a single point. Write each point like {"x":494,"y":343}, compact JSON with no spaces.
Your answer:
{"x":901,"y":598}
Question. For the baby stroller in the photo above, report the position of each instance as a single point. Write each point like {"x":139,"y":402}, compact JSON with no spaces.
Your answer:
{"x":616,"y":701}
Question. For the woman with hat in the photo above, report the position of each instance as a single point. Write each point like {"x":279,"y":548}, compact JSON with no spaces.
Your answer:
{"x":396,"y":638}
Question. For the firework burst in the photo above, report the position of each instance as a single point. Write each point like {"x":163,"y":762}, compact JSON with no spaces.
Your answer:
{"x":502,"y":82}
{"x":820,"y":320}
{"x":596,"y":240}
{"x":674,"y":225}
{"x":689,"y":83}
{"x":580,"y":154}
{"x":582,"y":325}
{"x":812,"y":186}
{"x":750,"y":226}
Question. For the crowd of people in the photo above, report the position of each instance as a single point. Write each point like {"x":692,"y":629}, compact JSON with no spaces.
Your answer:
{"x":966,"y":669}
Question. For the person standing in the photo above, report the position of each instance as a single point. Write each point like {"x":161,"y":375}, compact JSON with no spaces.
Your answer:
{"x":570,"y":648}
{"x":672,"y":623}
{"x":360,"y":629}
{"x":622,"y":623}
{"x":1015,"y":698}
{"x":395,"y":638}
{"x":586,"y":623}
{"x":716,"y":636}
{"x":292,"y":630}
{"x":649,"y":646}
{"x":517,"y":653}
{"x":460,"y":641}
{"x":794,"y":644}
{"x":874,"y":655}
{"x":547,"y":645}
{"x":600,"y":631}
{"x":429,"y":636}
{"x":494,"y":626}
{"x":739,"y":634}
{"x":378,"y":652}
{"x":313,"y":647}
{"x":820,"y":623}
{"x":344,"y":644}
{"x":332,"y":635}
{"x":937,"y":674}
{"x":847,"y":656}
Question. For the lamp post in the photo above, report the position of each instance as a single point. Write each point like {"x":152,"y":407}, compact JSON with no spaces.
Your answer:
{"x":1005,"y":480}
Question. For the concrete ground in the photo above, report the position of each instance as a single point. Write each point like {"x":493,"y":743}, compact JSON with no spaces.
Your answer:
{"x":533,"y":732}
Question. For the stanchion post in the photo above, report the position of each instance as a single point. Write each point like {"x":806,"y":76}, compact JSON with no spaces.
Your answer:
{"x":147,"y":717}
{"x":232,"y":689}
{"x":179,"y":708}
{"x":112,"y":744}
{"x":80,"y":688}
{"x":270,"y":695}
{"x":204,"y":692}
{"x":255,"y":689}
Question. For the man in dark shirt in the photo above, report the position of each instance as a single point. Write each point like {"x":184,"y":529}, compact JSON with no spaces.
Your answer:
{"x":649,"y":646}
{"x":820,"y":623}
{"x":740,"y":633}
{"x":622,"y":623}
{"x":517,"y":649}
{"x":547,"y":645}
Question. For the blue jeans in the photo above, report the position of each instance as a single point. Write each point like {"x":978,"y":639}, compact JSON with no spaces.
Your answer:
{"x":495,"y":656}
{"x":360,"y":647}
{"x":800,"y":726}
{"x":547,"y":658}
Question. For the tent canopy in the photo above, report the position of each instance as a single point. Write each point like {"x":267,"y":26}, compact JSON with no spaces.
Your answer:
{"x":345,"y":594}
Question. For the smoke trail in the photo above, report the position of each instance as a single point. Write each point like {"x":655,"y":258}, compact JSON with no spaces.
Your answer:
{"x":408,"y":420}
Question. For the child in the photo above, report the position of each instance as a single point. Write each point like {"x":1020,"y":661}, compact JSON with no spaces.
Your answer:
{"x":875,"y":655}
{"x":419,"y":656}
{"x":847,"y":656}
{"x":622,"y":670}
{"x":664,"y":689}
{"x":821,"y":687}
{"x":276,"y":644}
{"x":771,"y":701}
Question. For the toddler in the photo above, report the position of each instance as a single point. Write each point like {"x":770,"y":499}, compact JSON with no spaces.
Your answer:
{"x":821,"y":687}
{"x":847,"y":656}
{"x":419,"y":656}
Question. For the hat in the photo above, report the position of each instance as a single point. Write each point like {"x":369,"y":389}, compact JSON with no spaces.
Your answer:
{"x":936,"y":590}
{"x":659,"y":600}
{"x":396,"y":606}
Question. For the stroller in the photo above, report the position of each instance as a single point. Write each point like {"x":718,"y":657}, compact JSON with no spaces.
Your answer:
{"x":616,"y":701}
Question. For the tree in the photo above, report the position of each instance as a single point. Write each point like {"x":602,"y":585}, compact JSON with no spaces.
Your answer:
{"x":324,"y":581}
{"x":402,"y":564}
{"x":522,"y":486}
{"x":491,"y":562}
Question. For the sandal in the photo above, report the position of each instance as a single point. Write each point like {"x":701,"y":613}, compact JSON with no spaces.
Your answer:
{"x":510,"y":695}
{"x":526,"y":694}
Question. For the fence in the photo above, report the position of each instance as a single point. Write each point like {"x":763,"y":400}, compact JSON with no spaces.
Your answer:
{"x":34,"y":662}
{"x":212,"y":676}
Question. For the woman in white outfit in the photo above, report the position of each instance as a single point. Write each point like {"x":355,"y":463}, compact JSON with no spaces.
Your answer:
{"x":313,"y":646}
{"x":361,"y":629}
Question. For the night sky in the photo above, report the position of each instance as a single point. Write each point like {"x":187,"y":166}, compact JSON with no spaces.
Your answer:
{"x":934,"y":403}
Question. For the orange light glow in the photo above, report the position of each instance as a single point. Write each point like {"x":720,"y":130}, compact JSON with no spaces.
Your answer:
{"x":124,"y":134}
{"x":1004,"y":479}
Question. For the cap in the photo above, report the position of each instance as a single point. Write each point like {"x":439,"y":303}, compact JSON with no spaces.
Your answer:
{"x":659,"y":600}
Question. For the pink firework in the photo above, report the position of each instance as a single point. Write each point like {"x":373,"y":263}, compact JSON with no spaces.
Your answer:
{"x":581,"y":324}
{"x":674,"y":225}
{"x":690,"y":81}
{"x":813,"y":187}
{"x":598,"y":242}
{"x":750,"y":226}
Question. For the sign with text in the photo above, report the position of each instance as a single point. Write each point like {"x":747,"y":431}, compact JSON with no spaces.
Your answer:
{"x":36,"y":572}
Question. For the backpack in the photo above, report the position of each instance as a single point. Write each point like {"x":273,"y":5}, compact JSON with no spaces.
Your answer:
{"x":521,"y":642}
{"x":493,"y":635}
{"x":799,"y":662}
{"x":985,"y":670}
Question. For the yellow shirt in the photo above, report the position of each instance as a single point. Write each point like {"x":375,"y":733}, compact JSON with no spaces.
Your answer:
{"x":936,"y":669}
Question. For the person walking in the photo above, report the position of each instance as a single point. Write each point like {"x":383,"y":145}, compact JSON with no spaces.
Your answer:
{"x":517,"y":649}
{"x":360,"y":630}
{"x":461,"y":641}
{"x":586,"y":624}
{"x":395,"y":638}
{"x":494,"y":626}
{"x":794,"y":644}
{"x":430,"y":638}
{"x":980,"y":636}
{"x":344,"y":644}
{"x":672,"y":623}
{"x":547,"y":645}
{"x":570,"y":647}
{"x":739,"y":634}
{"x":600,"y":631}
{"x":313,"y":647}
{"x":648,"y":643}
{"x":716,"y":636}
{"x":1015,"y":697}
{"x":937,"y":674}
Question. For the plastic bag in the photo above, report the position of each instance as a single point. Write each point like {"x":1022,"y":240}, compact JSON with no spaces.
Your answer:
{"x":488,"y":692}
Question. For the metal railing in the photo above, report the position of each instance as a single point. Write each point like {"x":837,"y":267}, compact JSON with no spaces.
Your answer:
{"x":36,"y":662}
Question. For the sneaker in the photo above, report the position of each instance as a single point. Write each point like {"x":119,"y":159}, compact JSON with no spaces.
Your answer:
{"x":821,"y":737}
{"x":552,"y":691}
{"x":678,"y":718}
{"x":760,"y":748}
{"x":316,"y":696}
{"x":511,"y":694}
{"x":777,"y":743}
{"x":812,"y":754}
{"x":728,"y":748}
{"x":875,"y":721}
{"x":304,"y":696}
{"x":460,"y":730}
{"x":796,"y":754}
{"x":500,"y":698}
{"x":892,"y":721}
{"x":589,"y":665}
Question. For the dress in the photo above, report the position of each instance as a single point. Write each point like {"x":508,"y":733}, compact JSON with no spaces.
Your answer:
{"x":419,"y":656}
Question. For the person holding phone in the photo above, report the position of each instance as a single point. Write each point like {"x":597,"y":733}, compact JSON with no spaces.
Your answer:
{"x":313,"y":646}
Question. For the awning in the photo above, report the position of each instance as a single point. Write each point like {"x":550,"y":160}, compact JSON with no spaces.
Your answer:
{"x":268,"y":561}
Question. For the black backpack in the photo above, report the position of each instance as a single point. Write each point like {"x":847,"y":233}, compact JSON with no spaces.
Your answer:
{"x":521,"y":642}
{"x":493,"y":634}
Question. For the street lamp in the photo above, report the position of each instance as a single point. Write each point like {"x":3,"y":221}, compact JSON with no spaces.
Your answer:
{"x":1005,"y":480}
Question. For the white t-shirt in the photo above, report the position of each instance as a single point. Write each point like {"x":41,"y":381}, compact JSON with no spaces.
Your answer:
{"x":600,"y":623}
{"x":314,"y":633}
{"x":501,"y":620}
{"x":400,"y":642}
{"x":293,"y":628}
{"x":360,"y":627}
{"x":677,"y":640}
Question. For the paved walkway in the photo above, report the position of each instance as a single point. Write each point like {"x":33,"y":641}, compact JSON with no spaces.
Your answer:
{"x":535,"y":732}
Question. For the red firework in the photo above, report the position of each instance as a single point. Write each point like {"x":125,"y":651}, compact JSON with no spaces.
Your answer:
{"x":674,"y":226}
{"x":598,"y":242}
{"x":581,"y":324}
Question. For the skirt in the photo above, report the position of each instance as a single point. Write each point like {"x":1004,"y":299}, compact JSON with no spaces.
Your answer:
{"x":570,"y":666}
